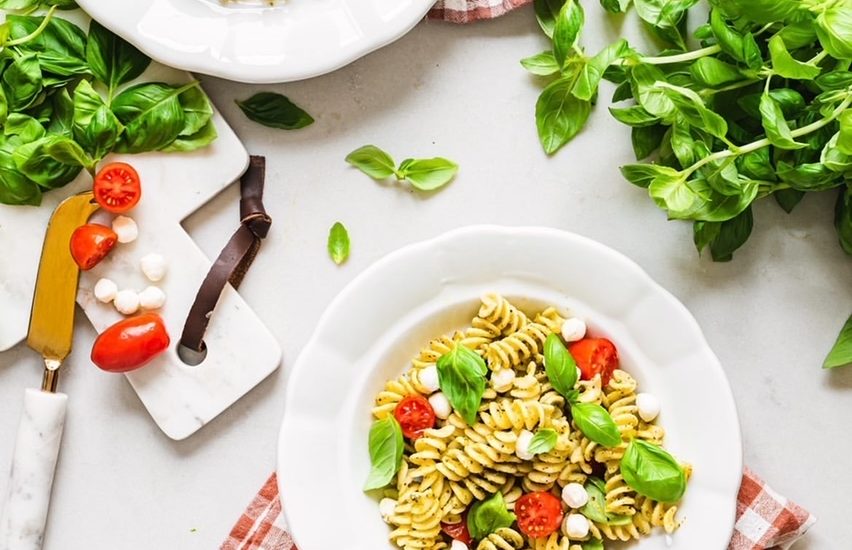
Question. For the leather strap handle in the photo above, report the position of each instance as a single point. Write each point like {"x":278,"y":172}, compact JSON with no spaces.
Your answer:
{"x":235,"y":259}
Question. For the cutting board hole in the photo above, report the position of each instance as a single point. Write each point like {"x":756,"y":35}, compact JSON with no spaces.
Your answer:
{"x":190,"y":357}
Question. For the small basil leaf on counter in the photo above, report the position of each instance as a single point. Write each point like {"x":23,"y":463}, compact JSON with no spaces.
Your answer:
{"x":541,"y":64}
{"x":559,"y":115}
{"x":596,"y":424}
{"x":543,"y":441}
{"x":566,"y":30}
{"x":652,"y":472}
{"x":486,"y":516}
{"x":559,"y":365}
{"x":386,"y":446}
{"x":427,"y":174}
{"x":461,"y":377}
{"x":841,"y":353}
{"x":372,"y":161}
{"x":338,"y":243}
{"x":113,"y":60}
{"x":275,"y":111}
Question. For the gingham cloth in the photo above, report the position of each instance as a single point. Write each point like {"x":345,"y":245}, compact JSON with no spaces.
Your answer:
{"x":765,"y":519}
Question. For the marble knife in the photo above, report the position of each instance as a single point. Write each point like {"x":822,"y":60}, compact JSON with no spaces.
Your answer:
{"x":40,"y":429}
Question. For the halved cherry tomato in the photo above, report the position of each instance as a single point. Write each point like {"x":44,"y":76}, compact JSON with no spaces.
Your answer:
{"x":539,"y":514}
{"x":458,"y":531}
{"x":415,"y":415}
{"x":117,"y":187}
{"x":595,"y":356}
{"x":129,"y":344}
{"x":91,"y":243}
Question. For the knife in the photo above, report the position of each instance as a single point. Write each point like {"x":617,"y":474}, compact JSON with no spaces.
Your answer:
{"x":43,"y":418}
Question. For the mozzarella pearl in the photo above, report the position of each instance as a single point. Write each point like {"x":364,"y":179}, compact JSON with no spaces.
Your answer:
{"x":573,"y":329}
{"x":127,"y":302}
{"x":105,"y":290}
{"x":125,"y":228}
{"x":522,"y":445}
{"x":440,"y":405}
{"x":429,"y":378}
{"x":648,"y":405}
{"x":152,"y":298}
{"x":575,"y":526}
{"x":458,"y":545}
{"x":153,"y":266}
{"x":575,"y":495}
{"x":502,"y":380}
{"x":386,"y":508}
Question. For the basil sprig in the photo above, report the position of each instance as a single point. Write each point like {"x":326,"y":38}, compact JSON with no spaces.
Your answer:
{"x":386,"y":446}
{"x":595,"y":508}
{"x":338,"y":243}
{"x":274,"y":110}
{"x":841,"y":353}
{"x":422,"y":174}
{"x":543,"y":441}
{"x":486,"y":516}
{"x":591,"y":419}
{"x":651,"y":471}
{"x":461,"y":377}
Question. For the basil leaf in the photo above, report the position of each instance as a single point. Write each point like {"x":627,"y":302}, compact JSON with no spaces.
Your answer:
{"x":386,"y":447}
{"x":95,"y":126}
{"x":791,"y":102}
{"x":730,"y":235}
{"x":36,"y":163}
{"x":646,"y":139}
{"x":566,"y":30}
{"x":546,"y":12}
{"x":372,"y":161}
{"x":690,"y":105}
{"x":634,"y":116}
{"x":275,"y":111}
{"x":338,"y":243}
{"x":23,"y":126}
{"x":644,"y":79}
{"x":843,"y":218}
{"x":113,"y":60}
{"x":798,"y":34}
{"x":541,"y":64}
{"x":596,"y":424}
{"x":197,"y":110}
{"x":22,"y":82}
{"x":152,"y":115}
{"x":834,"y":80}
{"x":590,"y":75}
{"x":841,"y":352}
{"x":15,"y":187}
{"x":788,"y":198}
{"x":543,"y":441}
{"x":652,"y":472}
{"x":488,"y":515}
{"x":559,"y":116}
{"x":742,"y":47}
{"x":428,"y":174}
{"x":714,"y":73}
{"x":61,"y":46}
{"x":642,"y":175}
{"x":615,"y":6}
{"x":834,"y":29}
{"x":559,"y":365}
{"x":757,"y":165}
{"x":67,"y":151}
{"x":783,"y":64}
{"x":761,"y":11}
{"x":18,"y":4}
{"x":595,"y":508}
{"x":461,"y":377}
{"x":592,"y":544}
{"x":844,"y":137}
{"x":810,"y":176}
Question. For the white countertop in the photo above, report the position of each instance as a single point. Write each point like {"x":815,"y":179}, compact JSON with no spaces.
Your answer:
{"x":771,"y":315}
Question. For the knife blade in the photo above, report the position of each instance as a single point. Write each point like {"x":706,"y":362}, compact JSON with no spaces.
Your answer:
{"x":51,"y":332}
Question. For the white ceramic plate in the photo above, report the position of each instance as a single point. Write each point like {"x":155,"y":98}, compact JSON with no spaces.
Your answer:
{"x":294,"y":40}
{"x":372,"y":329}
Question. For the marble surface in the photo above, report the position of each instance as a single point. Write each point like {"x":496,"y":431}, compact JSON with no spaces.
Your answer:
{"x":459,"y":92}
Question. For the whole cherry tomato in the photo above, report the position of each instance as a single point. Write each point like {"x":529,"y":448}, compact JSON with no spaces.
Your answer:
{"x":595,"y":356}
{"x":539,"y":514}
{"x":415,"y":416}
{"x":117,"y":187}
{"x":458,"y":531}
{"x":129,"y":344}
{"x":91,"y":243}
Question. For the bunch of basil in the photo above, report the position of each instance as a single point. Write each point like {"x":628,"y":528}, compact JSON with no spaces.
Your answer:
{"x":760,"y":109}
{"x":64,"y":104}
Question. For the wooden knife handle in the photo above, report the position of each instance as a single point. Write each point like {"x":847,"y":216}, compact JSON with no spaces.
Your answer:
{"x":36,"y":450}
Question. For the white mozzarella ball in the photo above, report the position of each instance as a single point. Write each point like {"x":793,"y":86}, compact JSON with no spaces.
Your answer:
{"x":458,"y":545}
{"x":575,"y":526}
{"x":522,"y":445}
{"x":441,"y":405}
{"x":125,"y":228}
{"x":152,"y":298}
{"x":648,"y":405}
{"x":573,"y":329}
{"x":153,"y":266}
{"x":575,"y":495}
{"x":105,"y":290}
{"x":127,"y":302}
{"x":386,"y":508}
{"x":429,"y":378}
{"x":502,"y":380}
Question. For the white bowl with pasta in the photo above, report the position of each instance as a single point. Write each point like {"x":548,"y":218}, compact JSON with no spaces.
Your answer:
{"x":371,"y":331}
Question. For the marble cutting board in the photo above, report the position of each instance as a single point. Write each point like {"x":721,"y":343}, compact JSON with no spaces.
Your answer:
{"x":241,"y":350}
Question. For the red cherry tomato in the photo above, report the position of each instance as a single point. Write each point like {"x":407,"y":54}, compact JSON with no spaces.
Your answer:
{"x":129,"y":344}
{"x":415,"y":415}
{"x":117,"y":187}
{"x":595,"y":356}
{"x":539,"y":514}
{"x":458,"y":531}
{"x":91,"y":243}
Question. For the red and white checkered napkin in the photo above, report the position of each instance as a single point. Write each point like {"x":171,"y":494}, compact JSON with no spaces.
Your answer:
{"x":765,"y":520}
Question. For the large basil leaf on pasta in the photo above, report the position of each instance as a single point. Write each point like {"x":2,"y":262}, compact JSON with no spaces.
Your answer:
{"x":386,"y":446}
{"x":841,"y":354}
{"x":461,"y":376}
{"x":543,"y":441}
{"x":596,"y":424}
{"x":560,"y":367}
{"x":652,"y":472}
{"x":488,"y":515}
